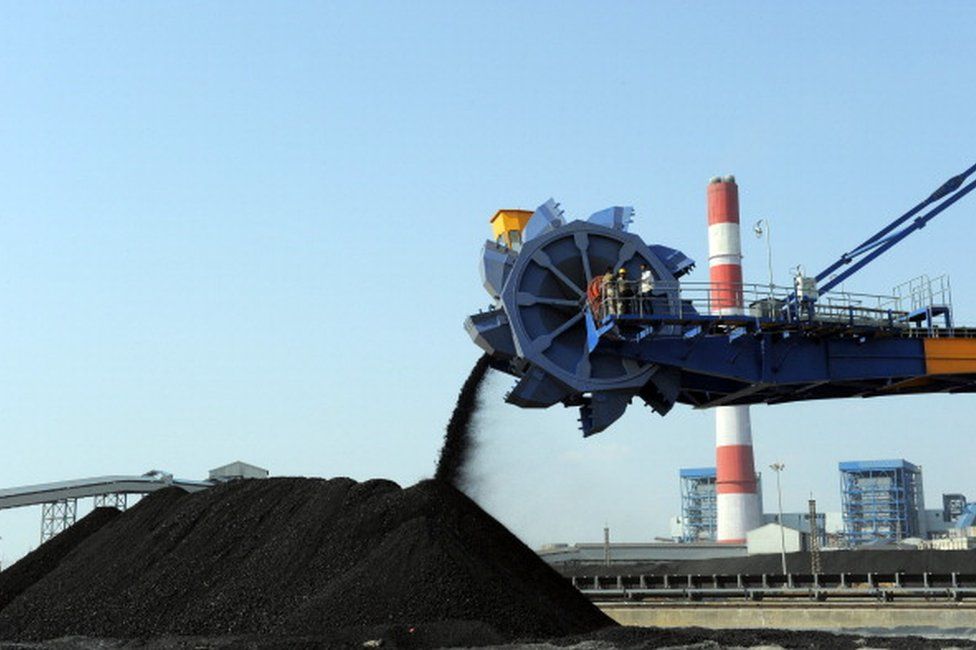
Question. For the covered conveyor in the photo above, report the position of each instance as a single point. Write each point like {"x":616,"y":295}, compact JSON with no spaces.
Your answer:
{"x":30,"y":495}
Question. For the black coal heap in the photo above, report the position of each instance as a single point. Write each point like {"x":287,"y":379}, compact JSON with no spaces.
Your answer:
{"x":296,"y":556}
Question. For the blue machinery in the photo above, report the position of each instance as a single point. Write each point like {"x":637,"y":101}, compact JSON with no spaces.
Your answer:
{"x":565,"y":346}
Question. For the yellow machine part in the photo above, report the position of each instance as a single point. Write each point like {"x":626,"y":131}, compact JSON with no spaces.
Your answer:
{"x":950,"y":356}
{"x":507,"y":226}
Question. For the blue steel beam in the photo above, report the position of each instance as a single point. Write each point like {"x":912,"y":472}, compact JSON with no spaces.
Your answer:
{"x":880,"y":246}
{"x":945,"y":189}
{"x":771,"y":368}
{"x":771,"y":360}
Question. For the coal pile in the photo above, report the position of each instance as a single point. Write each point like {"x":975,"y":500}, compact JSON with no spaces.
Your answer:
{"x":38,"y":563}
{"x":292,"y":557}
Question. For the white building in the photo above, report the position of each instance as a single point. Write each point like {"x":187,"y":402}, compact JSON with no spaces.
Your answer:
{"x":237,"y":470}
{"x":767,"y":539}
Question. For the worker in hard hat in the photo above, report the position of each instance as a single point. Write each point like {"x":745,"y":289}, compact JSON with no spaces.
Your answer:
{"x":609,"y":289}
{"x":625,"y":293}
{"x":645,"y":289}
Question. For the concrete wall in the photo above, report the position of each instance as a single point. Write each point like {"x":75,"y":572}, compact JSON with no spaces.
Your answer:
{"x":637,"y":552}
{"x":827,"y":616}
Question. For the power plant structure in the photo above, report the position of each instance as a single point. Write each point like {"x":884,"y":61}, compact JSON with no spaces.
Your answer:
{"x":699,"y":510}
{"x":586,"y":314}
{"x":698,"y":521}
{"x":882,"y":501}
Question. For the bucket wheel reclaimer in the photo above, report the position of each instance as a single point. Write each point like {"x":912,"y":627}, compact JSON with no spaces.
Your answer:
{"x":537,"y":328}
{"x":788,"y":346}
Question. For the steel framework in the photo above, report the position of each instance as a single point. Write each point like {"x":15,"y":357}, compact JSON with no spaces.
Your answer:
{"x":815,"y":565}
{"x":56,"y":516}
{"x":698,"y":504}
{"x":117,"y":500}
{"x":881,"y":500}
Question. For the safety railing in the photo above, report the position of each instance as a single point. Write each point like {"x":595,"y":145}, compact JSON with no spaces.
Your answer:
{"x":923,"y":292}
{"x":929,"y":305}
{"x":884,"y":586}
{"x":773,"y":304}
{"x":776,"y":303}
{"x":622,"y":298}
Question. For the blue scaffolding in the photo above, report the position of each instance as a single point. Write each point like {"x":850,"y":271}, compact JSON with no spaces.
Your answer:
{"x":882,"y":500}
{"x":698,"y":504}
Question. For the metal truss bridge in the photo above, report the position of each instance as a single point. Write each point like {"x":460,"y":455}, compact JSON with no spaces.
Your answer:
{"x":59,"y":500}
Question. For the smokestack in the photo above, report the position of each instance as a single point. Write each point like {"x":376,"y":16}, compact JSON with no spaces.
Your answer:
{"x":739,"y":509}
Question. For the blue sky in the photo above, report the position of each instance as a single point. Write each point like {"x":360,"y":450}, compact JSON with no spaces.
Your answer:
{"x":251,"y":231}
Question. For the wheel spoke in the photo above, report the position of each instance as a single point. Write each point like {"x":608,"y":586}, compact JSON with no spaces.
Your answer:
{"x":583,"y":244}
{"x":583,"y":368}
{"x":569,"y":323}
{"x":543,"y":260}
{"x":626,"y":253}
{"x":526,"y":299}
{"x":544,"y":341}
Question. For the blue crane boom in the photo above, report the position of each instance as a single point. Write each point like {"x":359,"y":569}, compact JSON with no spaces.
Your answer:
{"x":880,"y":242}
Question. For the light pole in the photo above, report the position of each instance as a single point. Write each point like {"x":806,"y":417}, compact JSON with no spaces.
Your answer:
{"x":762,"y":228}
{"x":778,"y":468}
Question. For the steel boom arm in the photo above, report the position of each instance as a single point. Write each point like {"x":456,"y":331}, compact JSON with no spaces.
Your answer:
{"x":887,"y":237}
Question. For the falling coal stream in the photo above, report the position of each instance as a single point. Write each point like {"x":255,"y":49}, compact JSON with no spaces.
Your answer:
{"x":458,"y":438}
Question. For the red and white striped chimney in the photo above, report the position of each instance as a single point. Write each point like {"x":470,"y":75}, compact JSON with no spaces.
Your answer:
{"x":738,"y":505}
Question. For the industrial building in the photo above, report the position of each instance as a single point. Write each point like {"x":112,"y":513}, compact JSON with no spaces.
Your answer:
{"x":698,"y":504}
{"x":883,"y":505}
{"x":236,"y":471}
{"x":882,"y":501}
{"x":698,"y":520}
{"x":775,"y":538}
{"x":953,"y":505}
